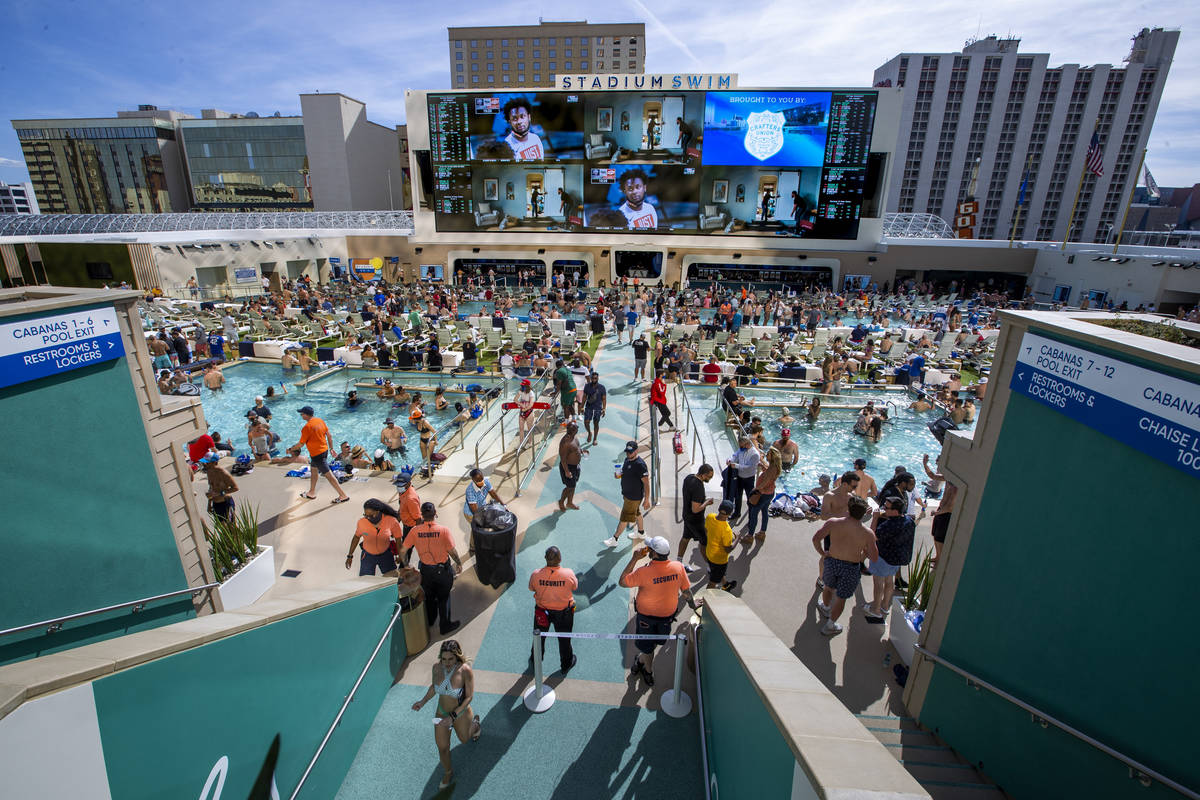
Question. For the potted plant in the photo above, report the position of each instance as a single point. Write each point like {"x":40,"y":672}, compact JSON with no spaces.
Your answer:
{"x":908,"y":608}
{"x":246,"y":570}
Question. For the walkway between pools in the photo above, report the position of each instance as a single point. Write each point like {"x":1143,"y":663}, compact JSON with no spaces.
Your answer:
{"x":605,"y":736}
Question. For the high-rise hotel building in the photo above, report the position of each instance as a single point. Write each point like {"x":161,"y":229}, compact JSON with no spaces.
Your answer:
{"x":1004,"y":109}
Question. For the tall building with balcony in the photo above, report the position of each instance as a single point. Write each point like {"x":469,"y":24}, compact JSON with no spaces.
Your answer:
{"x":531,"y":55}
{"x":996,"y":114}
{"x":17,"y":198}
{"x":130,"y":164}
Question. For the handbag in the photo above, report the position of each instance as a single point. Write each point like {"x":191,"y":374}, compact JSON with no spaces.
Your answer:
{"x":541,"y":619}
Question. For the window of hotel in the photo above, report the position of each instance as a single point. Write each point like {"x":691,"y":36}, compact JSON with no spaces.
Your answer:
{"x":491,"y":67}
{"x":550,"y":41}
{"x":491,"y":54}
{"x":553,"y":53}
{"x":487,"y":43}
{"x":537,"y":53}
{"x":491,"y":78}
{"x":458,"y":57}
{"x":552,"y":66}
{"x":474,"y":54}
{"x":583,"y":65}
{"x":520,"y":42}
{"x":458,"y":42}
{"x":599,"y":65}
{"x":474,"y":43}
{"x":566,"y":40}
{"x":474,"y":68}
{"x":633,"y":65}
{"x":537,"y":42}
{"x":474,"y":79}
{"x":567,"y":53}
{"x":504,"y":54}
{"x":599,"y":40}
{"x":583,"y":53}
{"x":458,"y":67}
{"x":537,"y":66}
{"x":520,"y":54}
{"x":566,"y":65}
{"x":616,"y":52}
{"x":633,"y":41}
{"x":521,"y":78}
{"x":504,"y":42}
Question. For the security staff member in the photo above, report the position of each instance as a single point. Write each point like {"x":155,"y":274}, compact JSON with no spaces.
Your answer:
{"x":554,"y":604}
{"x":435,"y":547}
{"x":659,"y":585}
{"x":409,"y":507}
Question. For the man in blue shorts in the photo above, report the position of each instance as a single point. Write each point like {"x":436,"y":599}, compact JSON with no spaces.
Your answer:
{"x":849,"y":543}
{"x":595,"y":403}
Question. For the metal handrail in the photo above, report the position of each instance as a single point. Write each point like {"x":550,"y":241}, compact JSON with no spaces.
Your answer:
{"x":341,"y":712}
{"x":533,"y":428}
{"x":1041,"y":716}
{"x":54,"y":625}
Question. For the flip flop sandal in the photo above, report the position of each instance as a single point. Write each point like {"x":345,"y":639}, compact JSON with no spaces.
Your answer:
{"x":337,"y":500}
{"x":478,"y":729}
{"x":306,"y":496}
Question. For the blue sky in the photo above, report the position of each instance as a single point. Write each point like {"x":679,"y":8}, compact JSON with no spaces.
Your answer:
{"x":95,"y":57}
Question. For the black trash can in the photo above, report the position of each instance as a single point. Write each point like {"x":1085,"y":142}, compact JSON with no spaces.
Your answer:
{"x":494,"y":534}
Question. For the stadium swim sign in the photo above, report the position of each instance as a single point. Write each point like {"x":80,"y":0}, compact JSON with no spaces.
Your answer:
{"x":624,"y":82}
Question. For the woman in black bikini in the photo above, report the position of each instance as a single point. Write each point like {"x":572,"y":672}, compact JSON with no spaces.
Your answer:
{"x":454,"y":684}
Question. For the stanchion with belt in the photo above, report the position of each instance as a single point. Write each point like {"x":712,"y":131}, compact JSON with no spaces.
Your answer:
{"x":674,"y":702}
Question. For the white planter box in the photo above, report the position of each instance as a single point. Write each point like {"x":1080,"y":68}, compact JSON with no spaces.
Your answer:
{"x":250,"y":582}
{"x":901,"y":634}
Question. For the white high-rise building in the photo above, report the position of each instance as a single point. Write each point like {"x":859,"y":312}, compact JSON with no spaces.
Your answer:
{"x":17,"y":198}
{"x":1004,"y":109}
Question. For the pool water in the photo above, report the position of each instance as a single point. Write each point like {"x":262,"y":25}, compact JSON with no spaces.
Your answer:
{"x":225,"y":410}
{"x":520,"y":311}
{"x":830,"y":445}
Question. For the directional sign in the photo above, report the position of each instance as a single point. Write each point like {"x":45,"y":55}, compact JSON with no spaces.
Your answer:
{"x":44,"y":346}
{"x":1151,"y":412}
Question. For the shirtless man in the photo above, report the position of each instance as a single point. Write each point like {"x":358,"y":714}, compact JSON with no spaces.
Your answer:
{"x":392,"y":437}
{"x":834,"y":504}
{"x":921,"y":403}
{"x":957,"y":412}
{"x":305,"y":361}
{"x":288,"y":361}
{"x":789,"y":452}
{"x":160,"y":351}
{"x":866,"y":484}
{"x":842,"y":542}
{"x":569,"y":456}
{"x":941,"y":517}
{"x":213,"y":378}
{"x":388,"y":390}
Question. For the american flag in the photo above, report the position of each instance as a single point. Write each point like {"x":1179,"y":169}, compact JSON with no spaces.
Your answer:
{"x":1094,"y":156}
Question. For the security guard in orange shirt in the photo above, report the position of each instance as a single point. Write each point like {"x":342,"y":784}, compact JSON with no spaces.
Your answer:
{"x":553,"y":588}
{"x":435,"y":548}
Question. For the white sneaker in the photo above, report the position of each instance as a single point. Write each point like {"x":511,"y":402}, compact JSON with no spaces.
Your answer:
{"x":610,"y":542}
{"x":637,"y":536}
{"x":824,"y":609}
{"x":831,"y":628}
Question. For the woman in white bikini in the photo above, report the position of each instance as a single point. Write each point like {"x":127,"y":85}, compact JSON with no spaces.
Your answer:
{"x":454,"y":684}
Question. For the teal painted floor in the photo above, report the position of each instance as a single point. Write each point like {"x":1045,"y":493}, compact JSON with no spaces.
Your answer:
{"x":574,"y":751}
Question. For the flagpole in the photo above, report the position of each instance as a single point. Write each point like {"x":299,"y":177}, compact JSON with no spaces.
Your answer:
{"x":1132,"y":191}
{"x":1071,"y":221}
{"x":1024,"y":183}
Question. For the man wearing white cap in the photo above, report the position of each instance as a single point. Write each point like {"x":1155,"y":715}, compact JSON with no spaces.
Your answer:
{"x":659,"y":584}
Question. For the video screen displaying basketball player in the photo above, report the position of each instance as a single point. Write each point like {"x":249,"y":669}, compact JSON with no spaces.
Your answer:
{"x":526,"y":145}
{"x":638,"y":212}
{"x":651,"y":198}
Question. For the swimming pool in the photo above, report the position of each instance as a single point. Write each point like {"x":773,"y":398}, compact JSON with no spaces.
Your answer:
{"x":225,"y":410}
{"x":829,"y":446}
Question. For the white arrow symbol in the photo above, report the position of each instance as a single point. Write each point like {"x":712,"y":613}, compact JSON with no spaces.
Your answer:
{"x":1020,"y":376}
{"x":111,"y":345}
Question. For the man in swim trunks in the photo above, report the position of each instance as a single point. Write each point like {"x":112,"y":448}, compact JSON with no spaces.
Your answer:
{"x":392,"y":437}
{"x":569,"y":456}
{"x":849,"y":543}
{"x":789,"y":451}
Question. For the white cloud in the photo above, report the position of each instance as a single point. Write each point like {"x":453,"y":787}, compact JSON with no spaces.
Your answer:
{"x":11,"y":162}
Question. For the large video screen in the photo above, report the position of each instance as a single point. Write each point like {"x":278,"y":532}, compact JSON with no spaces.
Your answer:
{"x":744,"y":163}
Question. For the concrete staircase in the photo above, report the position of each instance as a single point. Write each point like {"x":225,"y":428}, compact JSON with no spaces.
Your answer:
{"x":943,"y":773}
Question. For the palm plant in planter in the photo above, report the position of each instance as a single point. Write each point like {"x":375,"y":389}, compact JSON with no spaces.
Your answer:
{"x":232,"y":543}
{"x":912,"y":603}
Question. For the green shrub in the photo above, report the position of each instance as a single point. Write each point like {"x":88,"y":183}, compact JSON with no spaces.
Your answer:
{"x":232,"y":543}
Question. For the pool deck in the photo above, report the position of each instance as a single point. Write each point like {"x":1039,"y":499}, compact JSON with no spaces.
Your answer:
{"x":605,"y":736}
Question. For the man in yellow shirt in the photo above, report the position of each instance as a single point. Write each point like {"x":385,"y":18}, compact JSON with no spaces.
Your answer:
{"x":720,"y":545}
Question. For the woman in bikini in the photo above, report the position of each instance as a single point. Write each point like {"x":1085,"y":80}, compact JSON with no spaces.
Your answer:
{"x":454,"y":684}
{"x":428,"y":438}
